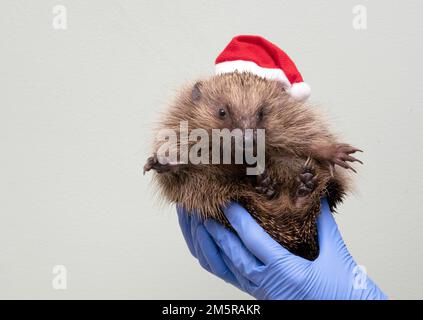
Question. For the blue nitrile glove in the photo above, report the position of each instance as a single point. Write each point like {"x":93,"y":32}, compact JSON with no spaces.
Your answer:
{"x":255,"y":263}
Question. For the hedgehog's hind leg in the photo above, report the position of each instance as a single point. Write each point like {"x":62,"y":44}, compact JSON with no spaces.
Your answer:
{"x":306,"y":183}
{"x":265,"y":185}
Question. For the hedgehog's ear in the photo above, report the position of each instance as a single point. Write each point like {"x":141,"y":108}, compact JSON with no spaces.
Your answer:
{"x":196,"y":91}
{"x":282,"y":86}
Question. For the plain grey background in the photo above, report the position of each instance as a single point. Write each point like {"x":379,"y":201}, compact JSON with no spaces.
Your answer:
{"x":76,"y":113}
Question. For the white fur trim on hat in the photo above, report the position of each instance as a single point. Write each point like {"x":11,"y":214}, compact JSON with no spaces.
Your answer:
{"x":252,"y":67}
{"x":300,"y":91}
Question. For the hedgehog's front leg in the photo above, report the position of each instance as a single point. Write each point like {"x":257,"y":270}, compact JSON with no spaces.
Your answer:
{"x":306,"y":184}
{"x":161,"y":165}
{"x":336,"y":154}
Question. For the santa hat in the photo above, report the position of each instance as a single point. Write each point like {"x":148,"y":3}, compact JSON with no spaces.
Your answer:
{"x":261,"y":57}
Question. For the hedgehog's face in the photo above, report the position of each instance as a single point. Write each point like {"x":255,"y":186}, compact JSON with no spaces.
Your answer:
{"x":241,"y":101}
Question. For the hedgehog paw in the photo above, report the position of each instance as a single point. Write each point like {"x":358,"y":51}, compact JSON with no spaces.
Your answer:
{"x":342,"y":155}
{"x":307,"y":181}
{"x":265,"y":185}
{"x":162,"y":166}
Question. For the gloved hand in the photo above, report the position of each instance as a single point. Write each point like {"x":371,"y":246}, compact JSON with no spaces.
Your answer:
{"x":255,"y":263}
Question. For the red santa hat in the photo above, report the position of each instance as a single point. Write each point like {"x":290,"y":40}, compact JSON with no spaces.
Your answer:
{"x":261,"y":57}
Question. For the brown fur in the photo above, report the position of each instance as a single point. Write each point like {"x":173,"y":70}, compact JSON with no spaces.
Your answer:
{"x":295,"y":133}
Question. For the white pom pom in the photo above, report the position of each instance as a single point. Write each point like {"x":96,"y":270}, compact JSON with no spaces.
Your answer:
{"x":300,"y":91}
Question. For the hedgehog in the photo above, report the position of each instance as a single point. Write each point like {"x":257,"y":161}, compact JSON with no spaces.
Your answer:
{"x":304,"y":160}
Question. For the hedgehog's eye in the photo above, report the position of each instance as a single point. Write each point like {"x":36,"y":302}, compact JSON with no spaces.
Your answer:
{"x":260,"y":115}
{"x":222,"y":113}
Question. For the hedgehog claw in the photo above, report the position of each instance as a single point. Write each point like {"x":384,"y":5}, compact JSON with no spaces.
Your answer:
{"x":342,"y":156}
